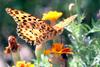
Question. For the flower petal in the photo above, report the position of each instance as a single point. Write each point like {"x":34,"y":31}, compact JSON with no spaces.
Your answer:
{"x":57,"y":46}
{"x":46,"y":52}
{"x":66,"y":51}
{"x":52,"y":16}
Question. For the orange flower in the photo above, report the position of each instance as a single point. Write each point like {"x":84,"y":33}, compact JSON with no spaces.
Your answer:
{"x":53,"y":16}
{"x":58,"y":48}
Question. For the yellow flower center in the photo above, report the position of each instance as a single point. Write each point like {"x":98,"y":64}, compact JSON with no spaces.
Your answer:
{"x":23,"y":64}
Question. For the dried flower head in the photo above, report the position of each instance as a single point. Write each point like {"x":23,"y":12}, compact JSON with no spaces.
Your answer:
{"x":12,"y":45}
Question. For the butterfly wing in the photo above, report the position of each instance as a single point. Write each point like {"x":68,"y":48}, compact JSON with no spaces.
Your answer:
{"x":65,"y":22}
{"x":20,"y":16}
{"x":30,"y":28}
{"x":27,"y":27}
{"x":37,"y":34}
{"x":29,"y":35}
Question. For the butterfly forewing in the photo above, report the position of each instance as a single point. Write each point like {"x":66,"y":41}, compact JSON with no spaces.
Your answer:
{"x":30,"y":28}
{"x":20,"y":16}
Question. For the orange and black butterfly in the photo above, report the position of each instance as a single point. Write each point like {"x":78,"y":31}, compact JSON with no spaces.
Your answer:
{"x":36,"y":31}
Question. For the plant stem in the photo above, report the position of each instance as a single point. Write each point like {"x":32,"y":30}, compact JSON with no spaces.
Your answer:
{"x":56,"y":65}
{"x":15,"y":56}
{"x":39,"y":50}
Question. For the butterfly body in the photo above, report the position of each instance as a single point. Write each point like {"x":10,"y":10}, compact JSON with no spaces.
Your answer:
{"x":32,"y":29}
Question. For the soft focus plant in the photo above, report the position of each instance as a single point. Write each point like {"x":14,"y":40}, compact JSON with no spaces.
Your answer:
{"x":43,"y":62}
{"x":85,"y":44}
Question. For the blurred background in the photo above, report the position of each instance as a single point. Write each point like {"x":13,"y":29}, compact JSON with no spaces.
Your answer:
{"x":90,"y":8}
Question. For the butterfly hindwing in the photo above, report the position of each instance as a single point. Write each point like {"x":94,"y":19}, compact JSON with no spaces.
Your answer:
{"x":29,"y":35}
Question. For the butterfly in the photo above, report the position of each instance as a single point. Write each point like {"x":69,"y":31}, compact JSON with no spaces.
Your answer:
{"x":34,"y":30}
